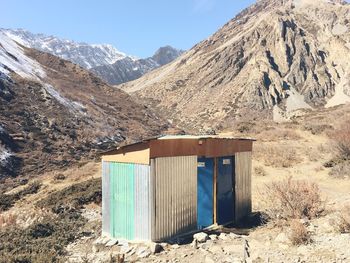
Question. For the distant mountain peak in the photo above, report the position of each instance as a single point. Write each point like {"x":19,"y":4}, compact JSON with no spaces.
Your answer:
{"x":105,"y":60}
{"x":86,"y":55}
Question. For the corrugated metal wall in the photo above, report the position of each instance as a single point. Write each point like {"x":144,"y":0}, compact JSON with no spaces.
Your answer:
{"x":142,"y":202}
{"x":126,"y":201}
{"x":175,"y":196}
{"x":243,"y":183}
{"x":106,"y":197}
{"x":122,"y":203}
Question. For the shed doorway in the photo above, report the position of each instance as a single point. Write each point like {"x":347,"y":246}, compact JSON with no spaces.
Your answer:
{"x":215,"y":193}
{"x":205,"y":192}
{"x":225,"y":186}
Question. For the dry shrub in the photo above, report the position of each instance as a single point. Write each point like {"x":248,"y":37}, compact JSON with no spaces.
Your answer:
{"x":259,"y":171}
{"x":341,"y":137}
{"x":293,"y":199}
{"x":59,"y":177}
{"x":8,"y":220}
{"x":299,"y":234}
{"x":341,"y":170}
{"x":344,"y":219}
{"x":278,"y":135}
{"x":316,"y":129}
{"x":278,"y":156}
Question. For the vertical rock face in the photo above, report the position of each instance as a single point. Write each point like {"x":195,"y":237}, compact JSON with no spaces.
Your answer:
{"x":283,"y":55}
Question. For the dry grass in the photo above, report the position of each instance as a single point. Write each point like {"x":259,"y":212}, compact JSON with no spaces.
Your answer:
{"x":344,"y":219}
{"x":8,"y":200}
{"x":259,"y":171}
{"x":299,"y":234}
{"x":278,"y":134}
{"x":292,"y":199}
{"x":8,"y":220}
{"x":277,"y":156}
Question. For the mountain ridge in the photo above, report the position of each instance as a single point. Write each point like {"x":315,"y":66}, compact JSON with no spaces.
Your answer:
{"x":273,"y":59}
{"x":105,"y":60}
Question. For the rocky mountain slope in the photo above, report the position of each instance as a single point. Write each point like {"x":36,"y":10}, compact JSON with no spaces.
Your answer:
{"x":53,"y":112}
{"x":271,"y":60}
{"x":128,"y":69}
{"x":105,"y":60}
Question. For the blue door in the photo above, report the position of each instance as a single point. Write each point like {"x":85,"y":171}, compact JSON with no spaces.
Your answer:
{"x":225,"y":204}
{"x":205,"y":201}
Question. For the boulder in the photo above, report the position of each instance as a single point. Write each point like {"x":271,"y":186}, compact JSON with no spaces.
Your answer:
{"x":155,"y":248}
{"x":213,"y":237}
{"x":201,"y":237}
{"x":112,"y":242}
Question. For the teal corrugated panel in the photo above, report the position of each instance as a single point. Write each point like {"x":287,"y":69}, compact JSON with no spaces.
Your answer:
{"x":106,"y":198}
{"x":122,"y":204}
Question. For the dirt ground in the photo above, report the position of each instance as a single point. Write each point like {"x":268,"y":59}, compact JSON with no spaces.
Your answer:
{"x":281,"y":151}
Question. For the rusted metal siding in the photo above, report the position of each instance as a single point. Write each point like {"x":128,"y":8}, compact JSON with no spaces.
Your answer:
{"x":243,"y":189}
{"x":142,"y":199}
{"x":210,"y":147}
{"x":175,"y":196}
{"x":106,"y":198}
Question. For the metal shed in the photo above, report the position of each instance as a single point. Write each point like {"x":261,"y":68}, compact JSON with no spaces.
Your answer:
{"x":164,"y":187}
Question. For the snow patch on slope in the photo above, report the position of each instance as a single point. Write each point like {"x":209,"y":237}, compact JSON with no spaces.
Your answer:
{"x":71,"y":105}
{"x":13,"y":59}
{"x":4,"y":155}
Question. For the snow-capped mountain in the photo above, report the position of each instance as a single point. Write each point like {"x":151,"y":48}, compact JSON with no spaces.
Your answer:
{"x":86,"y":55}
{"x":54,"y":112}
{"x":128,"y":69}
{"x":106,"y":61}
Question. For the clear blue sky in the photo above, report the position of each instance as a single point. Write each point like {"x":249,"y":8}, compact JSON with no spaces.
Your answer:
{"x":136,"y":27}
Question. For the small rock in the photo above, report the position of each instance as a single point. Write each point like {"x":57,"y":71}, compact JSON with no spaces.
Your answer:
{"x":311,"y":228}
{"x":112,"y":242}
{"x":223,"y":236}
{"x":123,"y":242}
{"x":95,"y":249}
{"x":213,"y":237}
{"x":175,"y":246}
{"x":304,"y":221}
{"x":201,"y":237}
{"x":99,"y":241}
{"x":194,"y":244}
{"x":126,"y":249}
{"x":155,"y":248}
{"x":143,"y":252}
{"x":234,"y":236}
